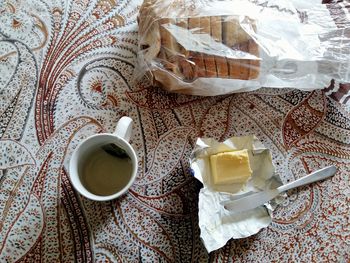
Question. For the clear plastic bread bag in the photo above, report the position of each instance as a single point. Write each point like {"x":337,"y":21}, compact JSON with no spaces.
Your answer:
{"x":219,"y":47}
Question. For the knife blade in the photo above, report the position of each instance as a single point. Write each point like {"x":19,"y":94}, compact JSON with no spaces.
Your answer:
{"x":251,"y":201}
{"x":258,"y":199}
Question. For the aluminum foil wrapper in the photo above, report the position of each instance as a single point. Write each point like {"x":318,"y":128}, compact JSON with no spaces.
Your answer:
{"x":217,"y":224}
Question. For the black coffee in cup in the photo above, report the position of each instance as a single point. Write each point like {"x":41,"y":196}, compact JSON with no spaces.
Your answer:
{"x":104,"y":173}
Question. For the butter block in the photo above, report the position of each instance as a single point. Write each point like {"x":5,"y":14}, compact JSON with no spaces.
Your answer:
{"x":230,"y":167}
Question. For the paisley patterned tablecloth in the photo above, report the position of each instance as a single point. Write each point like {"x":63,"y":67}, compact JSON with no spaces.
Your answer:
{"x":66,"y":73}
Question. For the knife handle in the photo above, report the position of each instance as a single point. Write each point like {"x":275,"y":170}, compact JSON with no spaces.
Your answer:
{"x":313,"y":177}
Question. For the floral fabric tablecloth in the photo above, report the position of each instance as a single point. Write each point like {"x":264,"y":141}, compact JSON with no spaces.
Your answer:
{"x":66,"y":73}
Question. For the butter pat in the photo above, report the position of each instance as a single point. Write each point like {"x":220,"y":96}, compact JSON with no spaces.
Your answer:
{"x":230,"y":167}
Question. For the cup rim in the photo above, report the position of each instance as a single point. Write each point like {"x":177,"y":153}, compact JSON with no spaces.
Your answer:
{"x":73,"y":168}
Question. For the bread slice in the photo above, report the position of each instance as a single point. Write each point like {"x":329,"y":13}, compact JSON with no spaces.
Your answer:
{"x":243,"y":64}
{"x":196,"y":57}
{"x":183,"y":24}
{"x":228,"y":35}
{"x":216,"y":34}
{"x":238,"y":40}
{"x":186,"y":67}
{"x":209,"y":61}
{"x":254,"y":50}
{"x":169,"y":46}
{"x":216,"y":28}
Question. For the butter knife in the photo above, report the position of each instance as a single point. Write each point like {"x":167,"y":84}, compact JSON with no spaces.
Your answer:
{"x":258,"y":199}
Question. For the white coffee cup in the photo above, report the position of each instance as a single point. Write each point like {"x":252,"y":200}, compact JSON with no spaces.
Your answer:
{"x":120,"y":137}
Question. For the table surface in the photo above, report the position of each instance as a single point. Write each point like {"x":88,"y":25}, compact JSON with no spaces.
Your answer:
{"x":66,"y":73}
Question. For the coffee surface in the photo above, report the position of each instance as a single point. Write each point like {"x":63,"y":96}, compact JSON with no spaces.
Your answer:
{"x":104,"y":174}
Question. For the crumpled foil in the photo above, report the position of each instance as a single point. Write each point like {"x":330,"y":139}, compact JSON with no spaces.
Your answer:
{"x":217,"y":224}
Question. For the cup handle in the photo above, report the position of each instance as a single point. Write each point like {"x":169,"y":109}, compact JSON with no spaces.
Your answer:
{"x":124,"y":128}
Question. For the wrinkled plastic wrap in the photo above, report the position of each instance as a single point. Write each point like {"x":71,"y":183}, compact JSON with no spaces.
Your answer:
{"x":217,"y":224}
{"x":218,"y":47}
